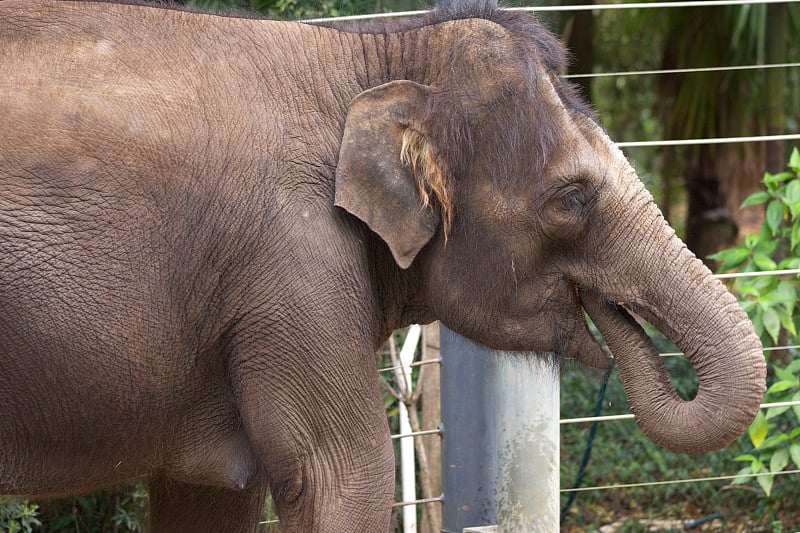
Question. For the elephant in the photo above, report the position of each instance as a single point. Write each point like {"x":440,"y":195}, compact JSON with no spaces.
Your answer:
{"x":209,"y":224}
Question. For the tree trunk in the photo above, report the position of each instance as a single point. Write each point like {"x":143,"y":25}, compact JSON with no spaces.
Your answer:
{"x":710,"y":225}
{"x":699,"y":105}
{"x":579,"y":35}
{"x":777,"y":37}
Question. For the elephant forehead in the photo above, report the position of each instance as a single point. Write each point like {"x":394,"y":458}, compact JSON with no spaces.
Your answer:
{"x":583,"y":149}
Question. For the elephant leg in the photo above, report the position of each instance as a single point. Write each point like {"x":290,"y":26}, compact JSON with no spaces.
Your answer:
{"x":322,"y":437}
{"x":177,"y":507}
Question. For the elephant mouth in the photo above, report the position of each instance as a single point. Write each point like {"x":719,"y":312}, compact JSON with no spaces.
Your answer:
{"x":630,"y":323}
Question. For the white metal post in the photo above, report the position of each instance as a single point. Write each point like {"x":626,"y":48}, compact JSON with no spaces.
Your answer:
{"x":500,"y":452}
{"x":407,"y":457}
{"x":527,"y":430}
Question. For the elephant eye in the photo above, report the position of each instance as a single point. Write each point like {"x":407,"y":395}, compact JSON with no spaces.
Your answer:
{"x":573,"y":199}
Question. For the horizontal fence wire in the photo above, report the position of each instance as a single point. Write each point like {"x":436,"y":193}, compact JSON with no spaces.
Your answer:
{"x":678,"y":71}
{"x":771,"y":349}
{"x":555,"y":9}
{"x":412,"y":365}
{"x":678,"y":481}
{"x":630,"y":416}
{"x":714,"y":140}
{"x":649,"y":5}
{"x":643,"y":484}
{"x":587,"y":419}
{"x":438,"y":499}
{"x":730,"y":275}
{"x":437,"y":431}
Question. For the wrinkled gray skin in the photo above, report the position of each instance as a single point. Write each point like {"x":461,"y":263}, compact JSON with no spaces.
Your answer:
{"x":206,"y":231}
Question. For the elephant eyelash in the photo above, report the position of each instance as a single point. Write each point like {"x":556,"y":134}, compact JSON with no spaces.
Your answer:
{"x":573,"y":199}
{"x":578,"y":193}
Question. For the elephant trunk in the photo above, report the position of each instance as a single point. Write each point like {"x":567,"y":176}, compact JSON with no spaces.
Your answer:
{"x":696,"y":312}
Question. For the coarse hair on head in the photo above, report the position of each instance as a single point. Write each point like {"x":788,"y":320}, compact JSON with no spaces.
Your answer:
{"x":447,"y":148}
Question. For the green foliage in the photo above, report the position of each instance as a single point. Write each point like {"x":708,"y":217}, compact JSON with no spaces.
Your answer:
{"x":771,"y":304}
{"x":774,"y":440}
{"x":18,"y":516}
{"x":298,"y":9}
{"x":769,"y":301}
{"x":775,"y":433}
{"x":121,"y":509}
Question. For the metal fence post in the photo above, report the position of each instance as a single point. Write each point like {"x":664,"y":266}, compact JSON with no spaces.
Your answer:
{"x":500,"y":451}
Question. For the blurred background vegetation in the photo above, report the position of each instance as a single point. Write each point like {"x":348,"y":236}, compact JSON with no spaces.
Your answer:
{"x":699,"y":189}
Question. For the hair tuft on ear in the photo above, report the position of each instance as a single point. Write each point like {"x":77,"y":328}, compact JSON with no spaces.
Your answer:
{"x":419,"y":155}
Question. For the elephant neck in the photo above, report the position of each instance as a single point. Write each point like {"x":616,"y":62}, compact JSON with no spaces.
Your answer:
{"x":400,"y":300}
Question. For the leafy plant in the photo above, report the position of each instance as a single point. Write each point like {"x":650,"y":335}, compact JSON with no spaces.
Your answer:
{"x":119,"y":509}
{"x":771,"y":304}
{"x":774,"y":441}
{"x":18,"y":516}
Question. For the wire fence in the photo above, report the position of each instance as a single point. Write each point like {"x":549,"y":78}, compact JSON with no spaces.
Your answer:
{"x":567,"y":8}
{"x":634,"y":144}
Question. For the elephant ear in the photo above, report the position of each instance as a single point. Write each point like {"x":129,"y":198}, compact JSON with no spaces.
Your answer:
{"x":387,"y":167}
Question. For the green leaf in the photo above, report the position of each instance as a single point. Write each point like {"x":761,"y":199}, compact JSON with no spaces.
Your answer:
{"x":766,"y":483}
{"x":773,"y":180}
{"x":756,"y":198}
{"x":772,"y":412}
{"x":794,"y":452}
{"x":785,"y":374}
{"x":758,"y":321}
{"x":779,"y":460}
{"x":773,"y":441}
{"x":751,"y":240}
{"x":787,"y":293}
{"x":758,"y":429}
{"x":774,"y":216}
{"x":740,"y":26}
{"x":748,"y":290}
{"x":763,"y":262}
{"x":794,"y":209}
{"x":743,"y":472}
{"x":781,"y":386}
{"x":793,"y":368}
{"x":795,"y":236}
{"x":794,"y":160}
{"x":786,"y":320}
{"x":796,"y":408}
{"x":745,"y":457}
{"x":764,"y":235}
{"x":731,"y":257}
{"x":790,"y":263}
{"x":792,"y":192}
{"x":772,"y":323}
{"x":763,"y":283}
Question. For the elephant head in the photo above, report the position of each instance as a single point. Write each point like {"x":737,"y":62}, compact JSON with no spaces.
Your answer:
{"x":498,"y":190}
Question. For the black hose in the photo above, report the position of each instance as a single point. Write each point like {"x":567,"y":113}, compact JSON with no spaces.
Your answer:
{"x":587,"y":453}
